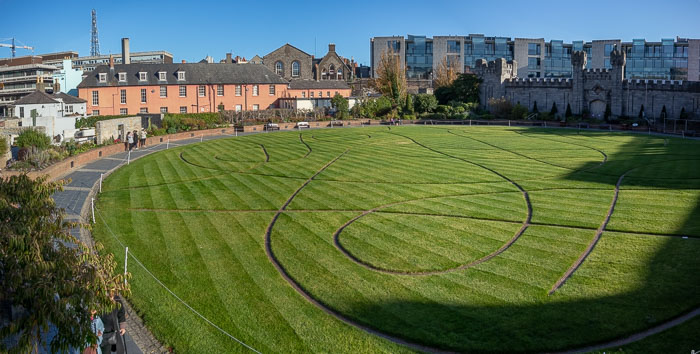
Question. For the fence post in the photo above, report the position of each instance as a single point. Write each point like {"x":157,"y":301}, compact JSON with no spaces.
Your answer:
{"x":509,"y":122}
{"x":470,"y":122}
{"x":167,"y":145}
{"x":101,"y":174}
{"x":92,"y":207}
{"x":126,"y":258}
{"x":201,"y":138}
{"x":128,"y":158}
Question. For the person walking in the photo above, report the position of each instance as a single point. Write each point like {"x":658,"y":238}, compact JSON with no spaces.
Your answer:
{"x":129,"y":141}
{"x":98,"y":329}
{"x":136,"y":139}
{"x":114,"y":329}
{"x":143,"y":137}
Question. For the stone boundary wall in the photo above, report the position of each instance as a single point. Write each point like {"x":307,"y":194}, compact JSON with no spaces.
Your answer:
{"x":62,"y":168}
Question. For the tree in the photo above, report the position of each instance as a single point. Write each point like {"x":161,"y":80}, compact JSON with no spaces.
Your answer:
{"x":464,"y":89}
{"x":46,"y":272}
{"x":684,"y":114}
{"x":663,"y":111}
{"x":641,"y":112}
{"x":446,"y":73}
{"x":409,"y":108}
{"x":500,"y":107}
{"x":518,"y":112}
{"x":33,"y":114}
{"x":33,"y":138}
{"x":341,"y":105}
{"x":425,"y":103}
{"x":534,"y":108}
{"x":554,"y":110}
{"x":608,"y":112}
{"x":568,"y":111}
{"x":391,"y":79}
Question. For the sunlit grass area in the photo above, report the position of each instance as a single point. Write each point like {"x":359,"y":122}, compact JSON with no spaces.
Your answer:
{"x":446,"y":237}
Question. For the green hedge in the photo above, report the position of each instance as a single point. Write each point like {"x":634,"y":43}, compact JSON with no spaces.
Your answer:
{"x":89,"y":122}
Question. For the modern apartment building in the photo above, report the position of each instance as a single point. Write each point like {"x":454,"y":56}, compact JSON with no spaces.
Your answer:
{"x":17,"y":81}
{"x":88,"y":64}
{"x":669,"y":59}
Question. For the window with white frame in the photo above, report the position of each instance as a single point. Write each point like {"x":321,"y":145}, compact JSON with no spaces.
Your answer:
{"x":320,"y":94}
{"x":21,"y":112}
{"x":142,"y":76}
{"x":256,"y":107}
{"x":95,"y":112}
{"x":183,"y":91}
{"x":68,"y":108}
{"x":255,"y":90}
{"x":163,"y":109}
{"x":123,"y":111}
{"x":164,"y":91}
{"x":239,"y":108}
{"x":181,"y":76}
{"x":295,"y":69}
{"x":279,"y":68}
{"x":328,"y":94}
{"x":202,"y":91}
{"x":303,"y":94}
{"x":143,"y":110}
{"x":95,"y":98}
{"x":122,"y":77}
{"x":219,"y":90}
{"x":238,"y":90}
{"x":272,"y":90}
{"x":161,"y":76}
{"x":143,"y":95}
{"x":311,"y":94}
{"x":122,"y":96}
{"x":103,"y":77}
{"x":183,"y":109}
{"x":336,"y":92}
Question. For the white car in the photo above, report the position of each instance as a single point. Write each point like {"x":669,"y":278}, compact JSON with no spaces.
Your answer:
{"x":301,"y":125}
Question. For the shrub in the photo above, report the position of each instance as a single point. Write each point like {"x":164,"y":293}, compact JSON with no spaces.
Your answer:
{"x":340,"y":104}
{"x":33,"y":138}
{"x":89,"y":122}
{"x":518,"y":112}
{"x":3,"y":146}
{"x":568,"y":111}
{"x":425,"y":103}
{"x":443,"y":109}
{"x":487,"y":116}
{"x":500,"y":107}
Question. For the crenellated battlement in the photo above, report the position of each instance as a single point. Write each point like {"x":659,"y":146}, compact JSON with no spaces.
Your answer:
{"x":598,"y":74}
{"x":665,"y":85}
{"x":538,"y":82}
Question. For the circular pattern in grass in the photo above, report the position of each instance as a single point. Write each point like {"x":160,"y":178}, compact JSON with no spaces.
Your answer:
{"x":405,"y":243}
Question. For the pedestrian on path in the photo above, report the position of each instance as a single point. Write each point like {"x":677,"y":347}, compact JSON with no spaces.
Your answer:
{"x":136,"y":140}
{"x":98,"y":329}
{"x":114,"y":329}
{"x":142,"y":137}
{"x":129,"y":141}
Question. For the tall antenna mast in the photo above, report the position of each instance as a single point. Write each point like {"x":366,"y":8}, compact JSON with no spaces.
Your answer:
{"x":94,"y":42}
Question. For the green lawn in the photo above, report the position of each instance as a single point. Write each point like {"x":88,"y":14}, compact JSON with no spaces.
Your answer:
{"x":427,"y":215}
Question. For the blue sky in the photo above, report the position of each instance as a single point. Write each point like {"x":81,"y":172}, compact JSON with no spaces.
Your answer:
{"x":191,"y":30}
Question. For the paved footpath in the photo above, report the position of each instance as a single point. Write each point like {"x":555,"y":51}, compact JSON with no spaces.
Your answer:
{"x":75,"y":199}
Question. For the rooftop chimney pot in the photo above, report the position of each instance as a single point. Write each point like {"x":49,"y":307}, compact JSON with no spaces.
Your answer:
{"x":126,"y":57}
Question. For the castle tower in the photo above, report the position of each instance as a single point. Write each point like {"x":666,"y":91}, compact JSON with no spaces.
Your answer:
{"x":578,"y":62}
{"x":618,"y":60}
{"x":493,"y":74}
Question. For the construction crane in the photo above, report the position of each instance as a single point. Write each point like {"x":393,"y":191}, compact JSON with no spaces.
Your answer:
{"x":14,"y":47}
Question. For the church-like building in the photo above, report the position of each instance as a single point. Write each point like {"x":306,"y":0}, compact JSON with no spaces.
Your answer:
{"x":591,"y":91}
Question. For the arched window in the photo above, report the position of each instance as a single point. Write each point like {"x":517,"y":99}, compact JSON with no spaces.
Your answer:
{"x":331,"y":72}
{"x":279,"y":68}
{"x":324,"y":74}
{"x":295,"y":69}
{"x":340,"y":73}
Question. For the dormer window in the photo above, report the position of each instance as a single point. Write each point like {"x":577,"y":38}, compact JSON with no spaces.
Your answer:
{"x":122,"y":77}
{"x":181,"y":75}
{"x":142,"y":76}
{"x":103,"y":77}
{"x":161,"y":75}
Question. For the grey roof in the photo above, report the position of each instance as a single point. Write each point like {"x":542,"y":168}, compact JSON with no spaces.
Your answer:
{"x":195,"y":74}
{"x":36,"y":97}
{"x":313,"y":84}
{"x":68,"y":98}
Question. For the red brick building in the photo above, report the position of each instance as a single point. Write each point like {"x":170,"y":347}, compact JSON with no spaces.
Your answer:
{"x":180,"y":88}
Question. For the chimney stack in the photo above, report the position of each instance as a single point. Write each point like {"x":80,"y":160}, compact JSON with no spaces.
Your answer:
{"x":111,"y":61}
{"x":331,"y":47}
{"x":229,"y":60}
{"x":126,"y":58}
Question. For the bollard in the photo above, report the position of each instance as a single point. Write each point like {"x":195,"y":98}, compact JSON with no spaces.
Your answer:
{"x":126,"y":258}
{"x":92,"y":206}
{"x":128,"y":158}
{"x":470,"y":122}
{"x":167,"y":145}
{"x":101,"y":174}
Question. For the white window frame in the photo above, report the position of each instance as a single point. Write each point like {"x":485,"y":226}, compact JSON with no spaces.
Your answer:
{"x":311,"y":94}
{"x":122,"y":96}
{"x":180,"y":76}
{"x":279,"y":68}
{"x":220,"y":90}
{"x":256,"y":107}
{"x":143,"y":110}
{"x":272,"y":90}
{"x":202,"y":91}
{"x":95,"y":98}
{"x":298,"y":67}
{"x":239,"y":108}
{"x":143,"y":76}
{"x":255,"y":90}
{"x":183,"y":109}
{"x":103,"y":77}
{"x":144,"y":95}
{"x":182,"y":91}
{"x":95,"y":112}
{"x":123,"y":111}
{"x":68,"y":108}
{"x":122,"y":77}
{"x":162,"y":76}
{"x":238,"y":90}
{"x":303,"y":94}
{"x":163,"y":91}
{"x":163,"y":109}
